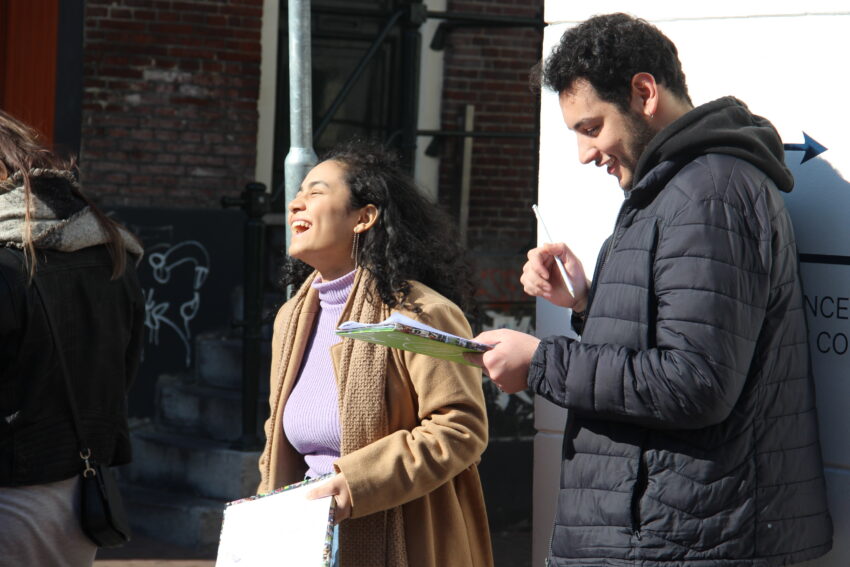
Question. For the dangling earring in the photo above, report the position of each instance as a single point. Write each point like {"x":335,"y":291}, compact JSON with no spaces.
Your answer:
{"x":354,"y":248}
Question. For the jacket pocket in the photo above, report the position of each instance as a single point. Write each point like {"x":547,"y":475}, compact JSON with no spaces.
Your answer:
{"x":639,"y":488}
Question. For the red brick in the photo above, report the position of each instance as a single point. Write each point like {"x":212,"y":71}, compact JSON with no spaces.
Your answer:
{"x":131,"y":152}
{"x":94,"y":12}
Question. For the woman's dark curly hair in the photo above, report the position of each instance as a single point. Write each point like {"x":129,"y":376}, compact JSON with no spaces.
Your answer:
{"x":607,"y":51}
{"x":413,"y":239}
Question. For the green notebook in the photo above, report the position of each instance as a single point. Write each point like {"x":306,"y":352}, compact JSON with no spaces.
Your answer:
{"x":398,"y":331}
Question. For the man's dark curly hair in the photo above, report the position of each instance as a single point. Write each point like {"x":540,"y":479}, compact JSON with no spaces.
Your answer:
{"x":607,"y":51}
{"x":413,"y":239}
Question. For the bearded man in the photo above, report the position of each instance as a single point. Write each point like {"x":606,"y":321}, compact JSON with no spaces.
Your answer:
{"x":692,"y":436}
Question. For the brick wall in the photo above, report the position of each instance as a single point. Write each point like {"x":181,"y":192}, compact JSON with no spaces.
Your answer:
{"x":489,"y":67}
{"x":170,"y":100}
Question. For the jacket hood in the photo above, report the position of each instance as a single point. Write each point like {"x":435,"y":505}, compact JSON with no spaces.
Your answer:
{"x":723,"y":126}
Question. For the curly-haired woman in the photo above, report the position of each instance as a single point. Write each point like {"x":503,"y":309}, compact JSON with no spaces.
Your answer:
{"x":402,"y":431}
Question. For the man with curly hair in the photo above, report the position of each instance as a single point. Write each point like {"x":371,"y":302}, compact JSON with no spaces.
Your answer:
{"x":692,"y":436}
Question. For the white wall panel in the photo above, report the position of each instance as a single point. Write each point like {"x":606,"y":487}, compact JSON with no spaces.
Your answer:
{"x":557,"y":11}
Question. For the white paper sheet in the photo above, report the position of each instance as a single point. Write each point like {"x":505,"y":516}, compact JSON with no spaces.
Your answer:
{"x":282,"y":528}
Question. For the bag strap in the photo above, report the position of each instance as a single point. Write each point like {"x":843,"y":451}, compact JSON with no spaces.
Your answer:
{"x":85,"y":452}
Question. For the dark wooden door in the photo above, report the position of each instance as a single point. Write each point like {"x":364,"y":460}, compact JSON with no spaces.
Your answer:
{"x":28,"y":42}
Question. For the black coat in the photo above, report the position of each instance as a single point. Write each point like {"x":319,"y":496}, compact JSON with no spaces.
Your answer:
{"x":99,"y":322}
{"x":692,"y":436}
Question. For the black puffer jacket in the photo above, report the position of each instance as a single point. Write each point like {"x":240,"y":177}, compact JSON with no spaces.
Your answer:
{"x":692,"y":437}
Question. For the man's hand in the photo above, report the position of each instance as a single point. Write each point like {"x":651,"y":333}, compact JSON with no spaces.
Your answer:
{"x":541,"y":277}
{"x":338,"y":488}
{"x":507,"y":362}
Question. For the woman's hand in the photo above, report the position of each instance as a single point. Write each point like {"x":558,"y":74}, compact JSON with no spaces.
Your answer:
{"x":338,"y":488}
{"x":542,"y":278}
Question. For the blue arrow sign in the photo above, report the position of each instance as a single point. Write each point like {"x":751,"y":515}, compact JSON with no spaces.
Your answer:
{"x":811,"y":147}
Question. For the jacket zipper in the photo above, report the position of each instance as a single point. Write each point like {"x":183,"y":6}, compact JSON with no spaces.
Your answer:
{"x":615,"y":237}
{"x":591,"y":293}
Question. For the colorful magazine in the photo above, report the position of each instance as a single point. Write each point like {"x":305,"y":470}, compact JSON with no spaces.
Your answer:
{"x":279,"y":528}
{"x":398,"y":331}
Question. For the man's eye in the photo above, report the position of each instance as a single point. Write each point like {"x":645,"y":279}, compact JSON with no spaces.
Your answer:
{"x":592,"y":131}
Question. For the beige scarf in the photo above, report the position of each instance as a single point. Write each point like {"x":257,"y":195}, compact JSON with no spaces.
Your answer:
{"x":376,"y":540}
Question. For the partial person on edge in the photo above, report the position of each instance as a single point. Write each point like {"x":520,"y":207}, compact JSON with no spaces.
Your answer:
{"x":84,"y":265}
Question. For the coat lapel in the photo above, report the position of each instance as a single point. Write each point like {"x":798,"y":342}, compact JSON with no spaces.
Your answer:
{"x":294,"y":328}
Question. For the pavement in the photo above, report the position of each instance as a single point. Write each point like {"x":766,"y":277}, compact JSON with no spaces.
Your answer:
{"x":510,"y":549}
{"x":143,"y":551}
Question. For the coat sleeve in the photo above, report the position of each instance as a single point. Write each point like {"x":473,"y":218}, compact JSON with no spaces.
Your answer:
{"x":711,"y":289}
{"x":12,"y":299}
{"x":133,"y":354}
{"x":449,"y":436}
{"x":9,"y":310}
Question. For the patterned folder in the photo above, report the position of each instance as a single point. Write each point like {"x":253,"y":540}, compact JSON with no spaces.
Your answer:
{"x":398,"y":331}
{"x":278,"y":528}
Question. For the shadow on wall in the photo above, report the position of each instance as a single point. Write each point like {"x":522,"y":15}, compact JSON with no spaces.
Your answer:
{"x":818,"y":205}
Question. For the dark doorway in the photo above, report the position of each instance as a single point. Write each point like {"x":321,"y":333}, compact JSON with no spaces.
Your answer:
{"x":381,"y":103}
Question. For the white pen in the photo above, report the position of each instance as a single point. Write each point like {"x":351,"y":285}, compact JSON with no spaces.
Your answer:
{"x":557,"y":260}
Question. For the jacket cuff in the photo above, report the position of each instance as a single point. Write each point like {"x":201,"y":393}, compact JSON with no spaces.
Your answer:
{"x":537,"y":368}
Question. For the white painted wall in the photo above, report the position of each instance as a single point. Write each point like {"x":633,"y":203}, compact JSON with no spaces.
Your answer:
{"x":426,"y":168}
{"x":268,"y":92}
{"x":786,"y":61}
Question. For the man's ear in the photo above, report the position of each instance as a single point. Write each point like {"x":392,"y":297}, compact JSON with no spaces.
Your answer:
{"x":367,"y":218}
{"x":645,"y":95}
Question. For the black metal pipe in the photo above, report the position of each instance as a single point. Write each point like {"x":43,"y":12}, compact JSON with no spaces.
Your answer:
{"x":477,"y":134}
{"x":466,"y":17}
{"x":488,"y":20}
{"x":255,"y":202}
{"x":356,"y":12}
{"x":355,"y":75}
{"x":411,"y":42}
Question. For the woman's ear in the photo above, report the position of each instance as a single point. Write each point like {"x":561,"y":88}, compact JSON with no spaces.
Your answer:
{"x":367,"y":219}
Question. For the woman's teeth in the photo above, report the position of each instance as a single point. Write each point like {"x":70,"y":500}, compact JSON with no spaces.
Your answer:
{"x":300,"y":226}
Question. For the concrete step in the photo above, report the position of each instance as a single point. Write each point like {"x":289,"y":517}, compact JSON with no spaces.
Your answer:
{"x":215,"y":413}
{"x":218,"y":362}
{"x":174,"y":517}
{"x":191,"y":465}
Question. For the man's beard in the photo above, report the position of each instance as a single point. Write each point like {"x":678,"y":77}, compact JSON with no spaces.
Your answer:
{"x":641,"y":134}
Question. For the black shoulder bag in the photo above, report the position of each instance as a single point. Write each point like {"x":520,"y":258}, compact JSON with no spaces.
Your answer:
{"x":103,"y":517}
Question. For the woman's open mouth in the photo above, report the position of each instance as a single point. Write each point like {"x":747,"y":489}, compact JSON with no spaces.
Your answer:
{"x":300,"y":227}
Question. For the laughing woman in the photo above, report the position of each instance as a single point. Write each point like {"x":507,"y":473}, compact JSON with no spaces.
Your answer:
{"x":402,"y":431}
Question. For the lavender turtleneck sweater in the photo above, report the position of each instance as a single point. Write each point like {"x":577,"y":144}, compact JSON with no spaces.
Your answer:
{"x":311,"y":416}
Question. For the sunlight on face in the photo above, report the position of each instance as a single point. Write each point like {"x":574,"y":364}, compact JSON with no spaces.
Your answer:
{"x":322,"y":221}
{"x":607,"y":137}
